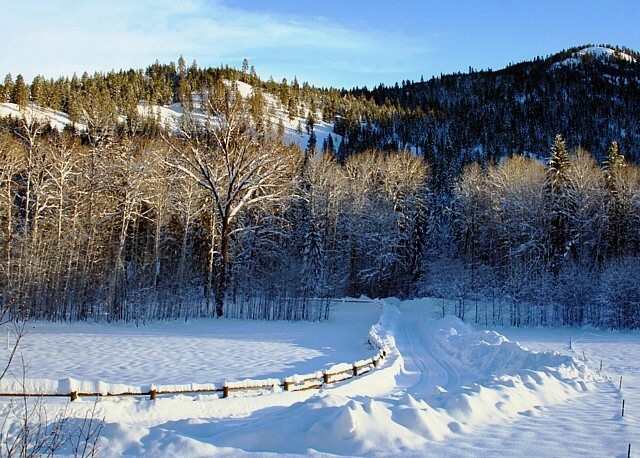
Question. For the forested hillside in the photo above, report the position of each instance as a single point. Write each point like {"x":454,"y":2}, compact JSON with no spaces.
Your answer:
{"x":587,"y":97}
{"x":515,"y":192}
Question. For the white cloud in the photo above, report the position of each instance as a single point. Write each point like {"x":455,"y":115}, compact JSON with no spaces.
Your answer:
{"x":56,"y":38}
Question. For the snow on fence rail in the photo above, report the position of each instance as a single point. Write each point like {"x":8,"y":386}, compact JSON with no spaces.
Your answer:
{"x":315,"y":380}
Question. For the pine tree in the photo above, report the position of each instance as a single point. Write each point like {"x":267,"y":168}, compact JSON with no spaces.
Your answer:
{"x":311,"y":144}
{"x":37,"y":90}
{"x":341,"y":153}
{"x":20,"y":94}
{"x":312,"y":260}
{"x":330,"y":145}
{"x":613,"y":165}
{"x":557,"y":195}
{"x":280,"y":131}
{"x":558,"y":163}
{"x":8,"y":88}
{"x":292,"y":108}
{"x":182,"y":67}
{"x":311,"y":122}
{"x":616,"y":229}
{"x":193,"y":69}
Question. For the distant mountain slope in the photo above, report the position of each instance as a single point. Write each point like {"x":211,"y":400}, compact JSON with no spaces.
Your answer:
{"x":588,"y":94}
{"x":602,"y":53}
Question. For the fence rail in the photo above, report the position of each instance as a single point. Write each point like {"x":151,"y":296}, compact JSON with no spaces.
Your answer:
{"x":335,"y":374}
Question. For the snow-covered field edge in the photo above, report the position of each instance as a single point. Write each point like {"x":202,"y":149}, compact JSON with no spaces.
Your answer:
{"x":11,"y":386}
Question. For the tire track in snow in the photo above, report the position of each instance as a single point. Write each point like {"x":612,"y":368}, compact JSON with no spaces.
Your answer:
{"x":424,"y":370}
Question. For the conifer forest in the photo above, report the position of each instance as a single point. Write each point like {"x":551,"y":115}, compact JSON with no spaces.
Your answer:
{"x":512,"y":195}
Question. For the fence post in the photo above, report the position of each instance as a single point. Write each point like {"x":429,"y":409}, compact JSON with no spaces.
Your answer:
{"x":375,"y":361}
{"x":287,"y":386}
{"x":620,"y":387}
{"x":629,"y":451}
{"x":355,"y":370}
{"x":74,"y":395}
{"x":600,"y":365}
{"x":225,"y":391}
{"x":622,"y":408}
{"x":152,"y":395}
{"x":325,"y":378}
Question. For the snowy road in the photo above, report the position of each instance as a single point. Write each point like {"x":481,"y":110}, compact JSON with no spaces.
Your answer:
{"x":425,"y":372}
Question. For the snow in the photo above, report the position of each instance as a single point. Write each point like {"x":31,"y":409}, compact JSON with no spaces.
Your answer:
{"x":56,"y":119}
{"x":179,"y":353}
{"x":169,"y":116}
{"x":601,"y":52}
{"x":446,"y":388}
{"x":598,"y":52}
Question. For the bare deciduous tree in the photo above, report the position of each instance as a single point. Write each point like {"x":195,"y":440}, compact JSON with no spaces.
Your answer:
{"x":238,"y":162}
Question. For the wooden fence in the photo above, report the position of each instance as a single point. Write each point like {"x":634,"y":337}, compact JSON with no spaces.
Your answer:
{"x":314,"y":380}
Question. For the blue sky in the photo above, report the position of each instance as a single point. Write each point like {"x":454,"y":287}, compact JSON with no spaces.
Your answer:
{"x":337,"y":43}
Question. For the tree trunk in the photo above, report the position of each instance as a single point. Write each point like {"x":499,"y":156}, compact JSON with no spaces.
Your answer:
{"x":221,"y":287}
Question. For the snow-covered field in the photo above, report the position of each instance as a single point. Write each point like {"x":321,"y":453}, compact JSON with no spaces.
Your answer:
{"x":446,"y":388}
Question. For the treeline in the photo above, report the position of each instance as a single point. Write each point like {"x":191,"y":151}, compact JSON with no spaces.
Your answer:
{"x":120,"y":218}
{"x":221,"y":218}
{"x":453,"y":120}
{"x":218,"y":218}
{"x":557,"y":243}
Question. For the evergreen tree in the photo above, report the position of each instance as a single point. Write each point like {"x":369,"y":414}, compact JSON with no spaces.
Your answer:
{"x":330,"y":145}
{"x":280,"y":130}
{"x":182,"y":67}
{"x":311,"y":144}
{"x":193,"y":70}
{"x":312,"y":257}
{"x":20,"y":93}
{"x":311,"y":122}
{"x":613,"y":166}
{"x":557,"y":194}
{"x":292,"y":109}
{"x":38,"y":91}
{"x":8,"y":88}
{"x":616,"y":202}
{"x":558,"y":164}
